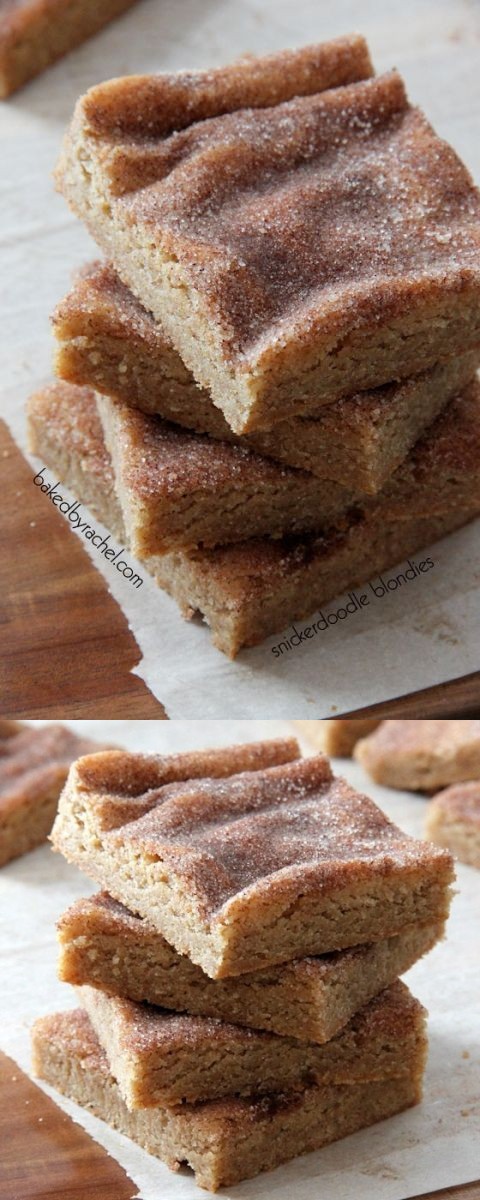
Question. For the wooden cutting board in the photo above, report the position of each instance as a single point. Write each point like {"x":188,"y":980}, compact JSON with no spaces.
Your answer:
{"x":46,"y":1155}
{"x":67,"y":649}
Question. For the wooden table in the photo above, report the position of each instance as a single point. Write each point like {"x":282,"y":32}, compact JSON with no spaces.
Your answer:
{"x":67,"y":649}
{"x":45,"y":1156}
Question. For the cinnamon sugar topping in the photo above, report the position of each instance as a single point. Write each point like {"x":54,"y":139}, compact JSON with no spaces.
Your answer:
{"x":337,"y":197}
{"x":258,"y":831}
{"x":32,"y":757}
{"x":122,"y":787}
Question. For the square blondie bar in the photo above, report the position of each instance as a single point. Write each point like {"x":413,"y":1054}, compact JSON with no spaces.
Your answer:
{"x":255,"y":869}
{"x":297,"y":244}
{"x":159,"y":1057}
{"x":179,"y":490}
{"x":421,"y":756}
{"x":106,"y":946}
{"x":248,"y":591}
{"x":35,"y":33}
{"x":106,"y":340}
{"x":34,"y":765}
{"x":223,"y":1141}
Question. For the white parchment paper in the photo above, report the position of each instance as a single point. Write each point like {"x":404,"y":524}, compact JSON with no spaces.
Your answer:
{"x":420,"y":635}
{"x":432,"y":1146}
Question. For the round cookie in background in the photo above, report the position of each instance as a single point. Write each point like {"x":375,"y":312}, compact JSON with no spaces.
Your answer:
{"x":453,"y":821}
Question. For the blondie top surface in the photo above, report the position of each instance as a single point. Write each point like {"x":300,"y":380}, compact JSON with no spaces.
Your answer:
{"x":31,"y":759}
{"x":162,"y":1057}
{"x":119,"y":787}
{"x":106,"y":946}
{"x":422,"y":755}
{"x":269,"y":832}
{"x":223,"y":1141}
{"x":155,"y":107}
{"x":109,"y":341}
{"x":70,"y":421}
{"x":278,"y":235}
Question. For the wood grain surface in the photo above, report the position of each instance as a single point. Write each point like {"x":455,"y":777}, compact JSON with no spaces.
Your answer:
{"x":45,"y":1154}
{"x":67,"y":649}
{"x":456,"y":698}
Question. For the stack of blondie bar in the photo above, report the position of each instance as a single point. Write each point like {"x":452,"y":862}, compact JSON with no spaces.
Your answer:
{"x":268,"y":388}
{"x":238,"y":978}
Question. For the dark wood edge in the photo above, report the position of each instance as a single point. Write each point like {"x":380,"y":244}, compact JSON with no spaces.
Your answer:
{"x":455,"y":698}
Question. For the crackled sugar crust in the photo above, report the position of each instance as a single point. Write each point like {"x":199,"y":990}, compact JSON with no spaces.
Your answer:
{"x":294,"y":254}
{"x":422,"y":755}
{"x":259,"y":868}
{"x":121,"y":787}
{"x":109,"y":342}
{"x":453,"y":820}
{"x":106,"y":946}
{"x":33,"y":768}
{"x":223,"y":1141}
{"x":247,"y":591}
{"x":180,"y":490}
{"x":34,"y":34}
{"x":159,"y":1057}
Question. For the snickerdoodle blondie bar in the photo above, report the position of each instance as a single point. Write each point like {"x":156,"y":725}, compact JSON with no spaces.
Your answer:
{"x":254,"y":869}
{"x":422,"y":756}
{"x":106,"y":946}
{"x":106,"y":340}
{"x":35,"y":33}
{"x":179,"y":489}
{"x":246,"y":591}
{"x":33,"y":768}
{"x":159,"y":1057}
{"x":297,"y":244}
{"x":223,"y":1141}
